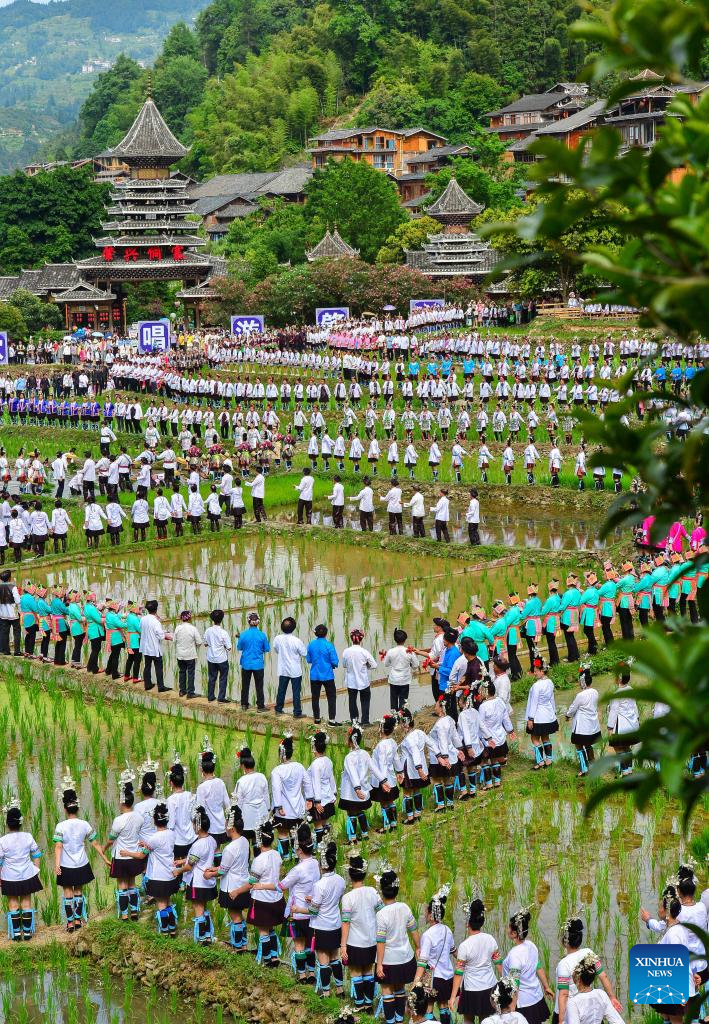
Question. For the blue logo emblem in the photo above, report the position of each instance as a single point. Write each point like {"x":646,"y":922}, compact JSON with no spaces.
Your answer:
{"x":243,"y":326}
{"x":4,"y":349}
{"x":658,"y":974}
{"x":153,"y":336}
{"x":416,"y":304}
{"x":328,"y":316}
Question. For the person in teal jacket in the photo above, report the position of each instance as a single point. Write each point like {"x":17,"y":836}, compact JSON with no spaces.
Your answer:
{"x":58,"y":608}
{"x":532,"y":617}
{"x":571,"y":615}
{"x":499,"y":629}
{"x":625,"y":598}
{"x":479,"y":634}
{"x":95,"y":632}
{"x":116,"y":625}
{"x":30,"y":618}
{"x":678,"y":566}
{"x":643,"y":591}
{"x":659,"y":579}
{"x":513,"y":619}
{"x":589,"y":607}
{"x":45,"y":621}
{"x":550,"y":620}
{"x":134,"y":658}
{"x":606,"y":601}
{"x":77,"y":625}
{"x":688,"y":591}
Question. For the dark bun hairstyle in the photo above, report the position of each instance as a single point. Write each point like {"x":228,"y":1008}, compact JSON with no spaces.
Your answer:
{"x":687,"y":882}
{"x":502,"y":994}
{"x":305,"y":838}
{"x":246,"y":758}
{"x":328,"y":857}
{"x":519,"y":923}
{"x":176,"y":775}
{"x":418,"y":1000}
{"x":387,"y":725}
{"x":389,"y":884}
{"x":70,"y":801}
{"x":476,"y":915}
{"x":200,"y":820}
{"x":208,"y":762}
{"x":674,"y":908}
{"x":13,"y":819}
{"x":149,"y":784}
{"x":572,"y":934}
{"x":161,"y":815}
{"x":357,"y":868}
{"x":235,"y":819}
{"x":319,"y":742}
{"x":128,"y":795}
{"x":265,"y":834}
{"x":286,"y":748}
{"x":405,"y":717}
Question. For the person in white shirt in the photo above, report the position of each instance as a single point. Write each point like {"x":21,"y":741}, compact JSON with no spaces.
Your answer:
{"x":337,"y":500}
{"x":523,"y":965}
{"x":418,"y":512}
{"x":623,"y":718}
{"x":400,"y":663}
{"x":541,"y":714}
{"x":441,"y":511}
{"x":124,"y":842}
{"x":267,"y":903}
{"x":218,"y":644}
{"x":178,"y":509}
{"x":258,"y":495}
{"x":161,"y":514}
{"x":89,"y":477}
{"x":291,"y":652}
{"x":358,"y":662}
{"x":187,"y":639}
{"x":114,"y":517}
{"x":472,"y":518}
{"x":213,"y":507}
{"x":94,"y":518}
{"x":396,"y":962}
{"x":392,"y":499}
{"x":252,"y":796}
{"x":434,"y":955}
{"x":236,"y":502}
{"x":140,"y":516}
{"x":179,"y":804}
{"x":326,"y":922}
{"x":305,"y":487}
{"x":233,"y":874}
{"x":572,"y":939}
{"x":359,"y":933}
{"x":201,"y":887}
{"x":592,"y":1006}
{"x":71,"y":863}
{"x":19,"y":873}
{"x":60,"y":467}
{"x":586,"y":727}
{"x":365,"y":500}
{"x":195,"y":508}
{"x":59,"y":524}
{"x":152,"y":636}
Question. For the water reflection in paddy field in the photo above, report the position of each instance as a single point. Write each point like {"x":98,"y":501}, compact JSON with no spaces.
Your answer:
{"x":343,"y":586}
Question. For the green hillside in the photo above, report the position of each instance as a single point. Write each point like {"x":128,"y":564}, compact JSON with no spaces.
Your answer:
{"x":44,"y":47}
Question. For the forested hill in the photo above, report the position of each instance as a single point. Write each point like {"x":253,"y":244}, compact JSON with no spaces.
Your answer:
{"x":46,"y":45}
{"x":256,"y":77}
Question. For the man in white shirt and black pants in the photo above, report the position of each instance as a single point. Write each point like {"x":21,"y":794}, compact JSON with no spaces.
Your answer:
{"x":366,"y":506}
{"x":152,"y":635}
{"x":9,"y":615}
{"x":291,"y":651}
{"x":337,"y":500}
{"x":472,"y":518}
{"x":441,"y":510}
{"x":218,"y":644}
{"x":258,"y":492}
{"x":304,"y":487}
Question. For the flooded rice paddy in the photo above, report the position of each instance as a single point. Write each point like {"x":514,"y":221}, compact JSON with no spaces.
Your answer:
{"x":340,"y":585}
{"x":527,"y":844}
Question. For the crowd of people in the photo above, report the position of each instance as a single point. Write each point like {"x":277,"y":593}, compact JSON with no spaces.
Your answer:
{"x":266,"y":855}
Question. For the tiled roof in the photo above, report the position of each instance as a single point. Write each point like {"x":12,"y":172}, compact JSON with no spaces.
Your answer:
{"x":437,"y":152}
{"x":84,"y":292}
{"x":331,"y":246}
{"x":7,"y":286}
{"x":149,"y":136}
{"x":454,"y":202}
{"x":525,"y":104}
{"x":574,"y":121}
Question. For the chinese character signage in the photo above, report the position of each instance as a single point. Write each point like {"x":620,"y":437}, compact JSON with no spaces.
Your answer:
{"x":153,"y":336}
{"x":4,"y":349}
{"x":416,"y":304}
{"x":243,"y":326}
{"x":330,"y":315}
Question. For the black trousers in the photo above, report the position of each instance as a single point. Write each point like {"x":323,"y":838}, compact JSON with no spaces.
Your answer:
{"x":338,"y":518}
{"x":6,"y":627}
{"x":60,"y":649}
{"x":259,"y":510}
{"x":185,"y":675}
{"x":133,"y":661}
{"x":78,"y":644}
{"x":419,"y":529}
{"x":305,"y":507}
{"x":366,"y":521}
{"x":606,"y":630}
{"x":474,"y":533}
{"x":442,"y":530}
{"x":114,"y":660}
{"x":153,"y":661}
{"x":515,"y":663}
{"x":30,"y":638}
{"x":316,"y":688}
{"x":396,"y":523}
{"x":364,"y":697}
{"x":658,"y":611}
{"x":92,"y":664}
{"x":591,"y":637}
{"x":571,"y":646}
{"x":626,"y":623}
{"x":246,"y":675}
{"x":398,"y":696}
{"x":552,"y":648}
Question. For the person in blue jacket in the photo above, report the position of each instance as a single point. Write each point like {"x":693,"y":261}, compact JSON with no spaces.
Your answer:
{"x":322,"y":658}
{"x":253,"y":645}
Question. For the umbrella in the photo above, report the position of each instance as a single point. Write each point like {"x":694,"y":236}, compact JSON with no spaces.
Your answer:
{"x":68,"y":337}
{"x":388,"y":309}
{"x":97,"y":334}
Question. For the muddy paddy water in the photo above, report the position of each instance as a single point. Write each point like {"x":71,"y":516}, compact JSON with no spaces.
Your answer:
{"x":340,"y":585}
{"x":527,"y":844}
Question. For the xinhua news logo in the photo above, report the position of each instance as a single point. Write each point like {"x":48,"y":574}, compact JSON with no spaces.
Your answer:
{"x":658,"y":974}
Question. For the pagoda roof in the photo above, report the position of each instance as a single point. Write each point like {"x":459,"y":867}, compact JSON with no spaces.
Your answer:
{"x":148,"y":225}
{"x":151,"y":184}
{"x":142,"y":211}
{"x":84,"y":292}
{"x":454,"y":205}
{"x":177,"y":239}
{"x":149,"y":138}
{"x":199,"y":291}
{"x":331,"y":246}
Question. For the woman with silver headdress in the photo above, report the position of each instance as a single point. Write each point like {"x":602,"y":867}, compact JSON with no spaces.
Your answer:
{"x":589,"y":1005}
{"x":437,"y":948}
{"x":411,"y":766}
{"x":474,"y":977}
{"x":523,"y":965}
{"x":359,"y":932}
{"x":124,"y":840}
{"x":586,"y":727}
{"x":213,"y":795}
{"x":396,"y":957}
{"x":161,"y":884}
{"x":321,"y":787}
{"x":503,"y":1000}
{"x":444,"y":751}
{"x":623,"y":719}
{"x":472,"y":747}
{"x":572,"y":938}
{"x":19,"y":873}
{"x":326,"y":921}
{"x":541,"y":714}
{"x":251,"y":795}
{"x":233,"y":874}
{"x":288,"y":791}
{"x":179,"y":804}
{"x":355,"y":783}
{"x":299,"y":883}
{"x":200,"y":886}
{"x":495,"y":730}
{"x":267,"y":904}
{"x":71,"y":863}
{"x":384,"y":757}
{"x":148,"y":790}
